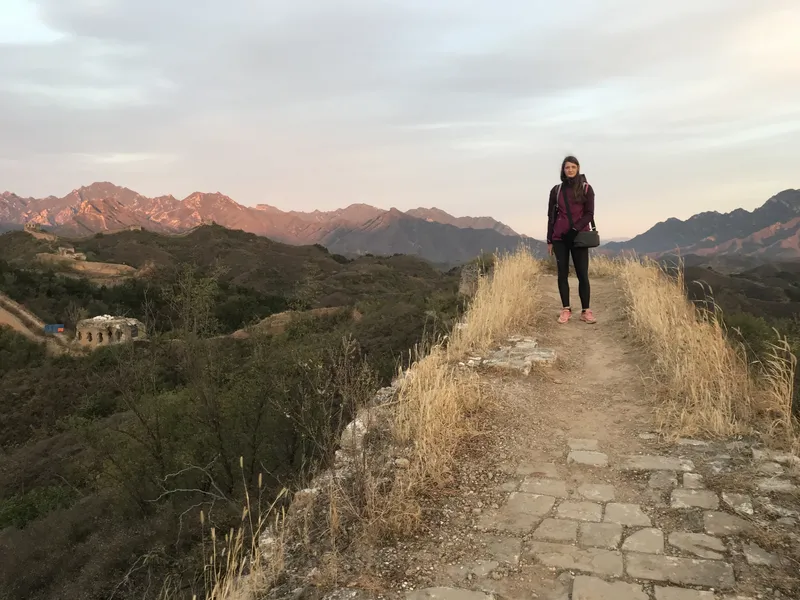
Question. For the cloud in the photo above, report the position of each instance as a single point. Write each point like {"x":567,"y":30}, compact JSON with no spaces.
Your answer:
{"x":463,"y":105}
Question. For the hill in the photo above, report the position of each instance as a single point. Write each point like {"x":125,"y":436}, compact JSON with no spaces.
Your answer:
{"x":355,"y":230}
{"x":770,"y":232}
{"x":107,"y":457}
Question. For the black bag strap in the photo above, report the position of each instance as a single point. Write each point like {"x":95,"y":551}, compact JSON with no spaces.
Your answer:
{"x":569,"y":212}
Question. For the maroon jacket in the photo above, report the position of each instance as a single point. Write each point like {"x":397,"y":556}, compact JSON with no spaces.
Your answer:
{"x":582,"y":214}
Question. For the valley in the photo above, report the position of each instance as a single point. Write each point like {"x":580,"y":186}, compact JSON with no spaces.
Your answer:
{"x":254,"y":349}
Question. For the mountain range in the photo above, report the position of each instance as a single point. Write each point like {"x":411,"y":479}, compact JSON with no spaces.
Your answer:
{"x":770,"y":232}
{"x":355,"y":230}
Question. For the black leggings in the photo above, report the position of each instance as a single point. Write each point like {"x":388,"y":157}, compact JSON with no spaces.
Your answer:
{"x":580,"y":260}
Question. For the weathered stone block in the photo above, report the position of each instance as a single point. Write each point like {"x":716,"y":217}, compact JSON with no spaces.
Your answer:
{"x":720,"y":523}
{"x":693,"y":481}
{"x":445,"y":593}
{"x":756,"y":555}
{"x":656,"y":463}
{"x":545,"y":487}
{"x":626,"y":514}
{"x":587,"y":457}
{"x":580,"y":511}
{"x":592,"y":588}
{"x":648,"y":541}
{"x":699,"y":544}
{"x":675,"y":593}
{"x":519,"y":514}
{"x":783,"y":486}
{"x":683,"y":498}
{"x":598,"y":492}
{"x":600,"y":535}
{"x":663,"y":480}
{"x":681,"y":571}
{"x":557,"y":530}
{"x":591,"y":560}
{"x":741,"y":503}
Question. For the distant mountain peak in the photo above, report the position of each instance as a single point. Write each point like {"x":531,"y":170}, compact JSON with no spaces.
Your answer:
{"x":771,"y":229}
{"x":354,"y":229}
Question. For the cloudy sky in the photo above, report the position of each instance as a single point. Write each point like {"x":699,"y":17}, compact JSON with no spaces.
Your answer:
{"x":672,"y":107}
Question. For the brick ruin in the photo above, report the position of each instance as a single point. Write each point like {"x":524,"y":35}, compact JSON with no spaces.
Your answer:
{"x":105,"y":330}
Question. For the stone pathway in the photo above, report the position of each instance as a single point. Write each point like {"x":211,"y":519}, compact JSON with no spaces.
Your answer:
{"x":602,"y":548}
{"x":566,"y":494}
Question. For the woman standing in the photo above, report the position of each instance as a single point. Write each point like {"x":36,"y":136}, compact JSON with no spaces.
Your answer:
{"x":571,"y":210}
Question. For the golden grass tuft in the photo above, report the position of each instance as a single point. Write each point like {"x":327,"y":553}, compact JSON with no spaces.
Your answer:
{"x":503,"y":304}
{"x":706,"y":383}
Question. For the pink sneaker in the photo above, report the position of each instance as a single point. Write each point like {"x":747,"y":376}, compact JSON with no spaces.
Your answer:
{"x":588,"y":317}
{"x":566,"y":313}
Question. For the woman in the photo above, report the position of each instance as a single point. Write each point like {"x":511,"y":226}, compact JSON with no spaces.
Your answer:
{"x":561,"y":231}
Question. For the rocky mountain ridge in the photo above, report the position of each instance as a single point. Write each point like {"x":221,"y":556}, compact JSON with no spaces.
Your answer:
{"x":356,"y":229}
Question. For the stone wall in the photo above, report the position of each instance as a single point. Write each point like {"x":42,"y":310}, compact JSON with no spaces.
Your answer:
{"x":105,"y":330}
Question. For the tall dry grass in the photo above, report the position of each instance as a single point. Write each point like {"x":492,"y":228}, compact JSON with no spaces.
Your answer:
{"x":504,"y":303}
{"x":437,"y":397}
{"x":705,"y":380}
{"x":431,"y":417}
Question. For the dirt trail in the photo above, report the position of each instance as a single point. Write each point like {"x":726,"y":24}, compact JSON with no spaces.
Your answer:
{"x":550,"y":501}
{"x":23,"y":321}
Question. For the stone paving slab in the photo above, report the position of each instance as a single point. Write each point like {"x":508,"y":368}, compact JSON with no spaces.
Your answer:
{"x":655,"y":463}
{"x":682,"y":571}
{"x":587,"y":457}
{"x":445,"y":593}
{"x":557,"y":530}
{"x":693,"y":481}
{"x":663,"y":480}
{"x":675,"y":593}
{"x":685,"y":498}
{"x":599,"y":492}
{"x":648,"y":541}
{"x":504,"y":549}
{"x":626,"y":514}
{"x":545,"y":487}
{"x":699,"y":544}
{"x":741,"y":503}
{"x":756,"y":555}
{"x":519,"y":514}
{"x":593,"y":588}
{"x":592,"y":560}
{"x":783,"y":486}
{"x":580,"y":511}
{"x":600,"y":535}
{"x":721,"y":523}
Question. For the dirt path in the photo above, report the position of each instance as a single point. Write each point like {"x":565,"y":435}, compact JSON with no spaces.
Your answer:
{"x":566,"y":493}
{"x":7,"y":318}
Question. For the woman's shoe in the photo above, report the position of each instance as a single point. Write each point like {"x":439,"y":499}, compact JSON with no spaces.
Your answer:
{"x":566,"y":313}
{"x":588,"y":317}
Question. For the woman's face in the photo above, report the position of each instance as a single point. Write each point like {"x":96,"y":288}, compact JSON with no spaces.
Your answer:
{"x":570,"y":169}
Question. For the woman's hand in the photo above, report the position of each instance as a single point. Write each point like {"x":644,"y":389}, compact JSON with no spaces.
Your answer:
{"x":550,"y":249}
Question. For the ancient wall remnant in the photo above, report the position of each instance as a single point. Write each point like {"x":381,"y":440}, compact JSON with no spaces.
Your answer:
{"x":69,"y":252}
{"x":104,"y":330}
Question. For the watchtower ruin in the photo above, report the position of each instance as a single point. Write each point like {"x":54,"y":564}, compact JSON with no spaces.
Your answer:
{"x":105,"y":330}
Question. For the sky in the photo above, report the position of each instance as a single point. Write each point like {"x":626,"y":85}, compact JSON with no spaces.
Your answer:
{"x":672,"y":108}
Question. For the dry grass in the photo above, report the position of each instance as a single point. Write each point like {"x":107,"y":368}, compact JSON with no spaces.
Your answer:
{"x":706,"y":383}
{"x":503,"y":304}
{"x":429,"y":419}
{"x":242,"y":565}
{"x":601,"y":265}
